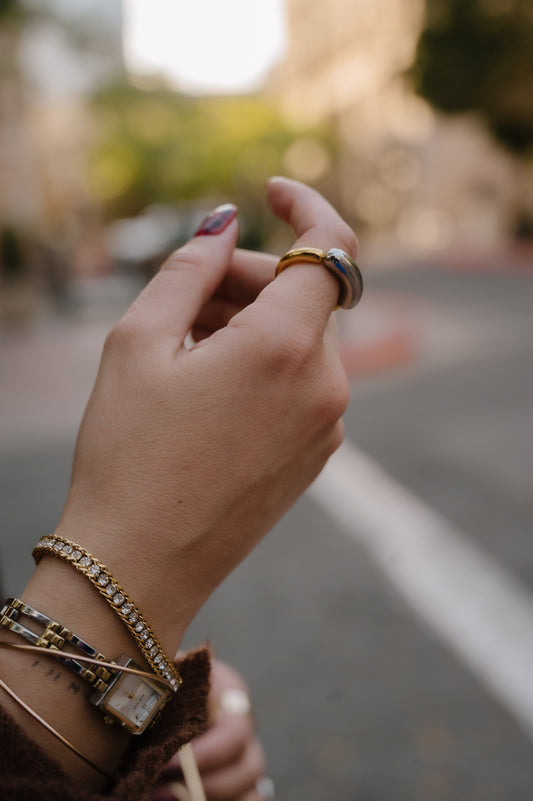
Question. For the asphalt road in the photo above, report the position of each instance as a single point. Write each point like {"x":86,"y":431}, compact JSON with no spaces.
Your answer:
{"x":356,"y":698}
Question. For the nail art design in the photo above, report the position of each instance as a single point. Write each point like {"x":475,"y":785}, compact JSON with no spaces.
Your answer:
{"x":218,"y":220}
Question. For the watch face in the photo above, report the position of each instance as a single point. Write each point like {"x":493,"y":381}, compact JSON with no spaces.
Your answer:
{"x":134,"y":701}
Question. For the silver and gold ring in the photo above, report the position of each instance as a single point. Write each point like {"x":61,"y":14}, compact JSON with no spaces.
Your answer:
{"x":338,"y":262}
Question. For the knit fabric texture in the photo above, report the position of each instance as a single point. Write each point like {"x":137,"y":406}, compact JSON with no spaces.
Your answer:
{"x":28,"y":774}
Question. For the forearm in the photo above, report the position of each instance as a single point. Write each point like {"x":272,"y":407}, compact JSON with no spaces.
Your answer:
{"x":55,"y":692}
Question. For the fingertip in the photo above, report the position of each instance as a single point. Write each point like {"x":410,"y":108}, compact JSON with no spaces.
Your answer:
{"x":278,"y":192}
{"x":279,"y":179}
{"x":189,"y":277}
{"x":278,"y":184}
{"x":292,"y":200}
{"x":218,"y":220}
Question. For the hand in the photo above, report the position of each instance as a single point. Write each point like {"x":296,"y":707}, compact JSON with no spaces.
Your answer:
{"x":229,"y":755}
{"x":186,"y":458}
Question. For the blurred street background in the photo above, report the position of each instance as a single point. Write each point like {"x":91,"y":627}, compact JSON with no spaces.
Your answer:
{"x":385,"y":627}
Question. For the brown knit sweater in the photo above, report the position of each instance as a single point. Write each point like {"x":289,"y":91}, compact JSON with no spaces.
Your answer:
{"x":28,"y":774}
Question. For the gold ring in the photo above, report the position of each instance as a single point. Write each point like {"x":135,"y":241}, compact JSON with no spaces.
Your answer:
{"x":310,"y":255}
{"x":338,"y":262}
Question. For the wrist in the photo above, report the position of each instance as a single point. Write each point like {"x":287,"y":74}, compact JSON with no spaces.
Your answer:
{"x":64,"y":595}
{"x":60,"y":592}
{"x":141,"y":568}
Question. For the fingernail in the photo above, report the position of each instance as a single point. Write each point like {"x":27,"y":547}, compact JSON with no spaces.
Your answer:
{"x":218,"y":220}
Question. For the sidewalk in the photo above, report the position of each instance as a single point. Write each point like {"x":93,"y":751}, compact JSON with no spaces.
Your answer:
{"x":48,"y":368}
{"x":511,"y":257}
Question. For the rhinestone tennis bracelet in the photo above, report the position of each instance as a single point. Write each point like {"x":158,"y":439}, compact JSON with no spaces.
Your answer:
{"x":116,"y":597}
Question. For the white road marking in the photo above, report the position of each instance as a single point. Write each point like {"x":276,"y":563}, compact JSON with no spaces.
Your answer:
{"x":476,"y":606}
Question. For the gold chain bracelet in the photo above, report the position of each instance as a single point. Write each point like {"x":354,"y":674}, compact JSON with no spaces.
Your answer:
{"x":116,"y":597}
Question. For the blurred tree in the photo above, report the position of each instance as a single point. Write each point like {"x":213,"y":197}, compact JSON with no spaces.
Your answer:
{"x":157,"y":146}
{"x":13,"y":264}
{"x":10,"y":9}
{"x":477,"y":55}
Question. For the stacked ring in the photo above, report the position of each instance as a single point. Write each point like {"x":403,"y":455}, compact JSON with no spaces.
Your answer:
{"x":338,"y":262}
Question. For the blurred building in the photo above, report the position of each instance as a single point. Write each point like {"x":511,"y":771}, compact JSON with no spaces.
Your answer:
{"x":17,"y":162}
{"x":414,"y":178}
{"x":53,"y":54}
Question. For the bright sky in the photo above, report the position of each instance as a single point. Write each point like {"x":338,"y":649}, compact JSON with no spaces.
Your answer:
{"x":205,"y":45}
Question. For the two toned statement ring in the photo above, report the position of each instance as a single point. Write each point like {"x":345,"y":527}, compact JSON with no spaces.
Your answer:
{"x":339,"y":263}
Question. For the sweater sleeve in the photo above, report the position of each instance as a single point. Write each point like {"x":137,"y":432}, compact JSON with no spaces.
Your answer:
{"x":28,"y":774}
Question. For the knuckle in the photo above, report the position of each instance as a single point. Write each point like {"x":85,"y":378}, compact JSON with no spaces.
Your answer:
{"x":128,"y":335}
{"x":121,"y":337}
{"x":336,"y":437}
{"x":332,"y":398}
{"x":185,"y":258}
{"x":292,"y":355}
{"x":284,"y":351}
{"x":341,"y":393}
{"x":296,"y":349}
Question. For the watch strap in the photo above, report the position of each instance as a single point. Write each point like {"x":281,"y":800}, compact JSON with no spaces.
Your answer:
{"x":53,"y":637}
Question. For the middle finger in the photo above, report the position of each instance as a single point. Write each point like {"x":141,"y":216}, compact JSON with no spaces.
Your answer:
{"x":250,"y":271}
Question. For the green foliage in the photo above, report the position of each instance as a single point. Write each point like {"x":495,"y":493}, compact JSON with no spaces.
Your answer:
{"x":8,"y":8}
{"x":477,"y":55}
{"x":17,"y":12}
{"x":156,"y":146}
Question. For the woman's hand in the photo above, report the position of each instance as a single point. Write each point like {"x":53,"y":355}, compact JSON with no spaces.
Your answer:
{"x":187,"y":457}
{"x":229,"y":756}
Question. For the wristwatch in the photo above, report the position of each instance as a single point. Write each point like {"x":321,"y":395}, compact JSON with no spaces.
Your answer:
{"x":134,"y":702}
{"x":53,"y":638}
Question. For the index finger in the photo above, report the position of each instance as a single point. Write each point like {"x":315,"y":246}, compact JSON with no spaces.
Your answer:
{"x":307,"y":292}
{"x":314,"y":221}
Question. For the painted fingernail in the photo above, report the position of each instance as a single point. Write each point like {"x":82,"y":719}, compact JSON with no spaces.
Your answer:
{"x":218,"y":220}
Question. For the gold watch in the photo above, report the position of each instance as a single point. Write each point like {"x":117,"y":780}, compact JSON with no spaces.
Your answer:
{"x":134,"y":702}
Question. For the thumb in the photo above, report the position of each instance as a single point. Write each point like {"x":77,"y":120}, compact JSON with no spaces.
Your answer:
{"x":170,"y":303}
